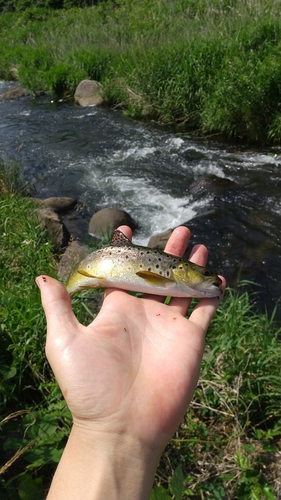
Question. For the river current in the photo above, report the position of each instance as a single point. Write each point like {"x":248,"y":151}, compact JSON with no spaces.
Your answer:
{"x":104,"y":159}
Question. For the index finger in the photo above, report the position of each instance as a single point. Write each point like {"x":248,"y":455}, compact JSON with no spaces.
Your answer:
{"x":178,"y":241}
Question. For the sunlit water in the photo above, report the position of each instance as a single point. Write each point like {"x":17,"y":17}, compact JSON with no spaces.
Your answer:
{"x":103,"y":159}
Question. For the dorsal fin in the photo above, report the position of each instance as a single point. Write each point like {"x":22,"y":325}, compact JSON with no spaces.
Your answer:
{"x":119,"y":239}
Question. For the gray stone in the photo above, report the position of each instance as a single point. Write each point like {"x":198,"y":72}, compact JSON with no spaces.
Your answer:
{"x":74,"y":253}
{"x":88,"y":93}
{"x":160,"y":240}
{"x":105,"y":221}
{"x":14,"y":93}
{"x":58,"y":204}
{"x":210,"y":185}
{"x":56,"y":230}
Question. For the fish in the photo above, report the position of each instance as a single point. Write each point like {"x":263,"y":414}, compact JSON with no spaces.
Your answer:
{"x":135,"y":268}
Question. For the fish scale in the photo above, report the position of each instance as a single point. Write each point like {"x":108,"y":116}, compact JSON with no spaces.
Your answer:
{"x":141,"y":269}
{"x":148,"y":260}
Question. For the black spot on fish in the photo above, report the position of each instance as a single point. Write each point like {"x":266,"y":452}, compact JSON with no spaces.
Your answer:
{"x":157,"y":266}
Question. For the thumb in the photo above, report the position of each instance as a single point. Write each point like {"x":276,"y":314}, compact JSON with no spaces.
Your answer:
{"x":61,"y":321}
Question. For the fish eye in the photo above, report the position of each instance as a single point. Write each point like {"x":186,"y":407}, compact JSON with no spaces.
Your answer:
{"x":207,"y":272}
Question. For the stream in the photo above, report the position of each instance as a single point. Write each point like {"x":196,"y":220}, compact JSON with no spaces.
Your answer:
{"x":228,"y":195}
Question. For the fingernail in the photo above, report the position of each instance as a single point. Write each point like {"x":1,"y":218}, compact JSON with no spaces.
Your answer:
{"x":39,"y":280}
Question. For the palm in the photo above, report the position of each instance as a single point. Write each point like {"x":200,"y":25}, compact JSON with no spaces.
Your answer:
{"x":134,"y":368}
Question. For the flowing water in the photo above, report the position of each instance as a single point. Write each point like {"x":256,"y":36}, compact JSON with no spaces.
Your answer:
{"x":229,"y":196}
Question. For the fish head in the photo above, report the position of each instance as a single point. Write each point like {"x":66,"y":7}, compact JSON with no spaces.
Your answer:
{"x":198,"y":278}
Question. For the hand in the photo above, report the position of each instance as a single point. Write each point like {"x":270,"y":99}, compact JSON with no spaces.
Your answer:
{"x":131,"y":372}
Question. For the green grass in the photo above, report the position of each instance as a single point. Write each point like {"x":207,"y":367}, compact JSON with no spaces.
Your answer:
{"x":207,"y":66}
{"x":229,"y":443}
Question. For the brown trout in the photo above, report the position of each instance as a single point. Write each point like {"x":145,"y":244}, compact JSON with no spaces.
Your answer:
{"x":135,"y":268}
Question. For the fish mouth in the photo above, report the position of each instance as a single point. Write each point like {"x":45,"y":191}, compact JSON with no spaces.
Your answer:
{"x":217,"y":282}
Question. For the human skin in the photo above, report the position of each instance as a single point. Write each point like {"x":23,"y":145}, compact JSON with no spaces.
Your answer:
{"x":127,"y":378}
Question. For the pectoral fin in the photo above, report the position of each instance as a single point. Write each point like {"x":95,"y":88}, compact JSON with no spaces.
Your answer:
{"x":154,"y":279}
{"x":88,"y":275}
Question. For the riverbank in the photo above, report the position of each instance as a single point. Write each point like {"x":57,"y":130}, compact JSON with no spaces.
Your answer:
{"x":210,"y":67}
{"x":229,"y":443}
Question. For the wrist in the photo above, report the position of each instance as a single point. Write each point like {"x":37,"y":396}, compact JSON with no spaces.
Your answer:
{"x":100,"y":464}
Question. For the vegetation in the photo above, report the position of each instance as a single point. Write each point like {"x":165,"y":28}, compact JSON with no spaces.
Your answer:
{"x":211,"y":66}
{"x":34,"y":420}
{"x":229,"y":443}
{"x":20,"y":5}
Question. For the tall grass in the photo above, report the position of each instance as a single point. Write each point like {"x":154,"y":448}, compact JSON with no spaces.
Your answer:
{"x":206,"y":65}
{"x":229,"y":443}
{"x":34,"y":419}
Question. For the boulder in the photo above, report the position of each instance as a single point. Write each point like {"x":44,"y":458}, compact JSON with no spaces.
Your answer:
{"x":55,"y":228}
{"x":74,"y":253}
{"x":14,"y":93}
{"x":160,"y":240}
{"x":210,"y":185}
{"x":105,"y":221}
{"x":88,"y":93}
{"x":58,"y":204}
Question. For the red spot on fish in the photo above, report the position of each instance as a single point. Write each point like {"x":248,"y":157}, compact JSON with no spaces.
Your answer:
{"x":158,"y":314}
